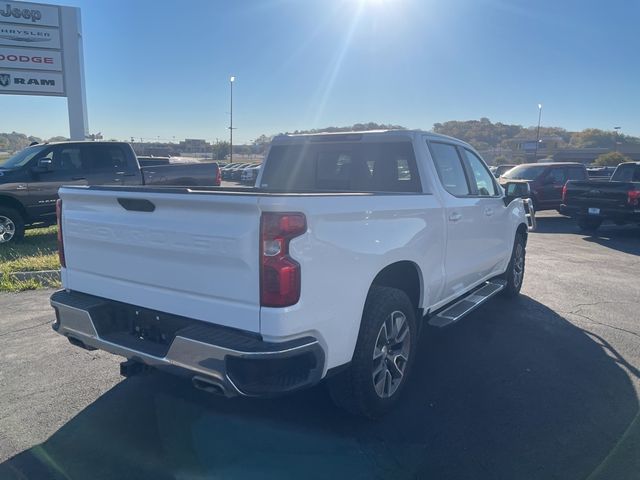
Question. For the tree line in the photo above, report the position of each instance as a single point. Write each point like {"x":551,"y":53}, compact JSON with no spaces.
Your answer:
{"x":482,"y":134}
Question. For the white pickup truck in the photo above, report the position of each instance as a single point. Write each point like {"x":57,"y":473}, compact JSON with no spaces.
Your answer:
{"x":326,"y":269}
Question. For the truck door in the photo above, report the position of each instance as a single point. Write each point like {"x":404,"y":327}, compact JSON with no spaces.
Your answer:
{"x":491,"y":223}
{"x":66,"y":168}
{"x":473,"y":211}
{"x":108,"y":164}
{"x":551,"y":187}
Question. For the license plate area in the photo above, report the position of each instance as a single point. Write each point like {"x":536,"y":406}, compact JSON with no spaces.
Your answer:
{"x":138,"y":328}
{"x":594,"y":211}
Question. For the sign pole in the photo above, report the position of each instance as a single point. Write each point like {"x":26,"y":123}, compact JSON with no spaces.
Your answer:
{"x":73,"y":60}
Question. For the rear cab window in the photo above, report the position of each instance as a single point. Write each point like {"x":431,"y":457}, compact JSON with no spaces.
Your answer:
{"x":576,"y":173}
{"x":385,"y":166}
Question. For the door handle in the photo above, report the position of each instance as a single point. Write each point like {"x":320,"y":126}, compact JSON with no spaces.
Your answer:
{"x":488,"y":211}
{"x":78,"y":178}
{"x":455,"y":217}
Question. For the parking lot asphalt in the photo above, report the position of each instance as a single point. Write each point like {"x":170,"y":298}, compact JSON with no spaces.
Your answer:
{"x":543,"y":387}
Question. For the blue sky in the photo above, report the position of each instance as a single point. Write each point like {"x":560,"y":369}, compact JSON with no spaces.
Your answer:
{"x":161,"y":69}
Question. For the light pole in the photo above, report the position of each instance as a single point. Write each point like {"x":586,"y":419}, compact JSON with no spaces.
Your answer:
{"x":538,"y":133}
{"x":231,"y":80}
{"x":617,"y":130}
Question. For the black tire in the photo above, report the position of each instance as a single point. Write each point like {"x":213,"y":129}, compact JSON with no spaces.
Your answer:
{"x":515,"y":271}
{"x":589,"y":224}
{"x":354,"y":389}
{"x":11,"y":225}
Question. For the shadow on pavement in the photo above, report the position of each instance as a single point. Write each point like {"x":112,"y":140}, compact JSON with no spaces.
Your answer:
{"x":624,"y":238}
{"x":513,"y":391}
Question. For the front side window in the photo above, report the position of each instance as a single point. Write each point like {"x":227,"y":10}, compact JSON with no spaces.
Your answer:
{"x":482,"y":177}
{"x":66,"y":159}
{"x":449,"y":167}
{"x":557,"y":176}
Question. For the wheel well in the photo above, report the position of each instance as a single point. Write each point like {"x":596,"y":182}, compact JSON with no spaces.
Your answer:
{"x":16,"y":205}
{"x":524,"y":230}
{"x":403,"y":276}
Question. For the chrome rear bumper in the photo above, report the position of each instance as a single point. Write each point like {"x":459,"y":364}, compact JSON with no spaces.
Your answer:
{"x":238,"y":363}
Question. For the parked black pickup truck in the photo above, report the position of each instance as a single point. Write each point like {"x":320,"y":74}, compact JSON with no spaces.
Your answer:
{"x":29,"y":181}
{"x":593,"y":202}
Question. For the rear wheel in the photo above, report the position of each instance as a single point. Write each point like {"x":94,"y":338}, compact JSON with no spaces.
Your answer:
{"x":589,"y":224}
{"x":383,"y":357}
{"x":11,"y":225}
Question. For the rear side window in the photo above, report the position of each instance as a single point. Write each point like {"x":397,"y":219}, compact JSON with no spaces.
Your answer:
{"x":449,"y":167}
{"x":105,"y":158}
{"x":557,"y":175}
{"x":342,"y":166}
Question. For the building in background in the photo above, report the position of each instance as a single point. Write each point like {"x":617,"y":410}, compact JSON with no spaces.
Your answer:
{"x":194,"y":145}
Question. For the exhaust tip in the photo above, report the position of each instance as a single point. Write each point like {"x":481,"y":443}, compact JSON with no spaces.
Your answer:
{"x":209,"y":385}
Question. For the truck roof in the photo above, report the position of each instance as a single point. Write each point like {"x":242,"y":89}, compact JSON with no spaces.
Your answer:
{"x":555,"y":164}
{"x":92,"y":142}
{"x":356,"y":135}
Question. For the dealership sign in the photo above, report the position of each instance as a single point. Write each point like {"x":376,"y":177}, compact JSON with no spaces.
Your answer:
{"x":11,"y":57}
{"x":18,"y":35}
{"x":30,"y":81}
{"x":41,"y":54}
{"x":29,"y":14}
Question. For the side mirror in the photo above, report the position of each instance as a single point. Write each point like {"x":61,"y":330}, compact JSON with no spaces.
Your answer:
{"x":515,"y":190}
{"x":43,"y":165}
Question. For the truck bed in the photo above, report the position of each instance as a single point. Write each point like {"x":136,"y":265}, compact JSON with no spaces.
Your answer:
{"x":191,"y":174}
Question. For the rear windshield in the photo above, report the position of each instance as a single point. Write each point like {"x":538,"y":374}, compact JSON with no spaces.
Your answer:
{"x":627,"y":173}
{"x":342,"y":166}
{"x":525,"y":172}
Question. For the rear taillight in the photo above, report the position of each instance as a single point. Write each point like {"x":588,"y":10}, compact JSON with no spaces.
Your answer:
{"x":218,"y":177}
{"x":60,"y":241}
{"x":279,"y":273}
{"x":633,"y":198}
{"x":564,"y":193}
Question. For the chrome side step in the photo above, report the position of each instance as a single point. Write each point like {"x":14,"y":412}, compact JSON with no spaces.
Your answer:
{"x":467,"y":304}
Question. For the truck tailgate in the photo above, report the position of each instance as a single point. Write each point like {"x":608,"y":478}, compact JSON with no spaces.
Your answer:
{"x":194,"y":255}
{"x":601,"y":194}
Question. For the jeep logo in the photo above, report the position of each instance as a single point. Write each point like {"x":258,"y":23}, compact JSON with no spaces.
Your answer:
{"x":25,"y":13}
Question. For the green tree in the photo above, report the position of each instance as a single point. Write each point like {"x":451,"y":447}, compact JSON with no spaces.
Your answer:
{"x":611,"y":159}
{"x":58,"y":139}
{"x":501,"y":160}
{"x":596,"y":138}
{"x":221,"y":150}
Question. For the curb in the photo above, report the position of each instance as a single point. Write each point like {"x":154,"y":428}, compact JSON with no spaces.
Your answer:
{"x":46,"y":277}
